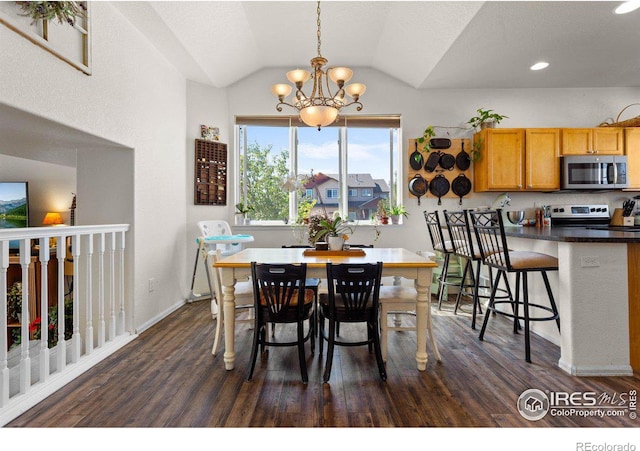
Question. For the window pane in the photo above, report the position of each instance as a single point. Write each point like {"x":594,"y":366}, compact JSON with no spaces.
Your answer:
{"x":264,"y":165}
{"x":318,"y":153}
{"x":369,"y":164}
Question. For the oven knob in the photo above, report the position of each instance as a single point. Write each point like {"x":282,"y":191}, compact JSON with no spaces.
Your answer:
{"x":555,"y":210}
{"x":562,"y":210}
{"x":592,"y":209}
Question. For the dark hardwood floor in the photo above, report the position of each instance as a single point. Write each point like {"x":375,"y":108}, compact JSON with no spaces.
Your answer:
{"x":168,"y":378}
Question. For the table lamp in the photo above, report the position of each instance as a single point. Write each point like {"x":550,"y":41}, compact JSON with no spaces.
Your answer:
{"x":52,"y":219}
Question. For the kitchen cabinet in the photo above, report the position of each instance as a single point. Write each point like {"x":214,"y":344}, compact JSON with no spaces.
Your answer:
{"x":587,"y":141}
{"x":517,"y":160}
{"x":542,"y":159}
{"x":632,"y":148}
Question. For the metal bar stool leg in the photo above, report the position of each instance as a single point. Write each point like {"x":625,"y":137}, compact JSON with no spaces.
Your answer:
{"x":461,"y":287}
{"x":443,"y":279}
{"x":492,"y":300}
{"x":551,"y":300}
{"x":525,"y":296}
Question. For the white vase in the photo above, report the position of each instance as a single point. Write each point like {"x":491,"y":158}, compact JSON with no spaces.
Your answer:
{"x":335,"y":243}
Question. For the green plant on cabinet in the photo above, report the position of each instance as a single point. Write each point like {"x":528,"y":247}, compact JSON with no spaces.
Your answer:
{"x":485,"y":118}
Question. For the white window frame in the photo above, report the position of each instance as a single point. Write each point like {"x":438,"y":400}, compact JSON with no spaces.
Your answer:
{"x":395,"y":163}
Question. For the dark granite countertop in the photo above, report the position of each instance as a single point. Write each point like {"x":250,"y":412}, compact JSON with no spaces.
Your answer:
{"x":573,"y":234}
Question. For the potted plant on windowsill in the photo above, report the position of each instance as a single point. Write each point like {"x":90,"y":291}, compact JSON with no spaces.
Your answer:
{"x":243,"y":210}
{"x":395,"y":211}
{"x":383,"y":211}
{"x":485,"y":119}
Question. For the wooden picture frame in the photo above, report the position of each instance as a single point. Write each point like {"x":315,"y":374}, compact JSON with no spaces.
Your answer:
{"x":70,"y":43}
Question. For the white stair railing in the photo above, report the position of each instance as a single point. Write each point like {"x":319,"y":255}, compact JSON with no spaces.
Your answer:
{"x":63,"y":331}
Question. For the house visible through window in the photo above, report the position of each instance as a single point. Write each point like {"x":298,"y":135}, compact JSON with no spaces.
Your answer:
{"x":287,"y":171}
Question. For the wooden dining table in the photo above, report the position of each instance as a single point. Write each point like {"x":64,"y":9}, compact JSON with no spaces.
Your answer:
{"x":397,"y":262}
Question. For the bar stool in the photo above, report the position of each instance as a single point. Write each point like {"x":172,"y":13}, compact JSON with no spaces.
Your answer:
{"x":489,"y":232}
{"x":459,"y":228}
{"x":446,"y":249}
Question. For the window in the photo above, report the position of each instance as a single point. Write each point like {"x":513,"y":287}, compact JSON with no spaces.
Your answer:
{"x":287,"y":171}
{"x":332,"y":193}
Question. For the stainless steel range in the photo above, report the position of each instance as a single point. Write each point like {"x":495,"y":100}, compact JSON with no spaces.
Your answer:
{"x":579,"y":215}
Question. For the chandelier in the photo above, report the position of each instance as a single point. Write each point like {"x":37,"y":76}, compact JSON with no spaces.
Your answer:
{"x":321,"y":108}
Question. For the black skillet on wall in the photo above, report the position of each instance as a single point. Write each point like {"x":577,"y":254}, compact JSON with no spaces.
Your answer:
{"x":418,"y":186}
{"x":463,"y":159}
{"x":447,"y":161}
{"x":439,"y":186}
{"x":461,"y":186}
{"x":416,"y":160}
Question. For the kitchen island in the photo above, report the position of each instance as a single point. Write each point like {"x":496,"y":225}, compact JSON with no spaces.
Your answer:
{"x":597,"y":289}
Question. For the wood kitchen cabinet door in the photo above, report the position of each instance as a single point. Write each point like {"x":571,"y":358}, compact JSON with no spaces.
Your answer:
{"x":577,"y":141}
{"x":589,"y":141}
{"x":632,"y":147}
{"x":608,"y":141}
{"x":542,"y":159}
{"x":500,"y":166}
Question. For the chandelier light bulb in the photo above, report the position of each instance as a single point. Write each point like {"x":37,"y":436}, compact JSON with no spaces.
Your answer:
{"x":355,"y":90}
{"x":318,"y":116}
{"x":281,"y":90}
{"x":298,"y":76}
{"x":340,"y":74}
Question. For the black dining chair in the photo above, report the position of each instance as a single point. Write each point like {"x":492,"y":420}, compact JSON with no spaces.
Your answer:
{"x":353,"y":297}
{"x":280,"y":296}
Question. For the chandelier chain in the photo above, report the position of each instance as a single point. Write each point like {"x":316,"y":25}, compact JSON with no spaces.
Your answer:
{"x":318,"y":33}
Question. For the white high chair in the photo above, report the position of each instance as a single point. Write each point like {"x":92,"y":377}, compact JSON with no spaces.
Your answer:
{"x":213,"y":228}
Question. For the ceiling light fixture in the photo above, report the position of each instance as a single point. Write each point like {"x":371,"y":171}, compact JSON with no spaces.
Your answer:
{"x":540,"y":65}
{"x":627,"y":7}
{"x":319,"y":109}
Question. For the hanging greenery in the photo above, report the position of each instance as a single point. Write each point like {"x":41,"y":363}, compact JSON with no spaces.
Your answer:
{"x":65,"y":12}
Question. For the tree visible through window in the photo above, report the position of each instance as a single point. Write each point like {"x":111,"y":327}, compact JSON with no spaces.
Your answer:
{"x":287,"y":173}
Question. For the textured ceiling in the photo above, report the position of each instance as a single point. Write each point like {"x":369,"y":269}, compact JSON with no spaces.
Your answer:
{"x":425,"y":44}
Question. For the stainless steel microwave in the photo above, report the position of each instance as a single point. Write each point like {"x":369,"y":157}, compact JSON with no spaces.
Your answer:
{"x":594,"y":172}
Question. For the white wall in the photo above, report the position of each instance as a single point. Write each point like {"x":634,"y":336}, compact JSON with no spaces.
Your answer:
{"x":136,"y":99}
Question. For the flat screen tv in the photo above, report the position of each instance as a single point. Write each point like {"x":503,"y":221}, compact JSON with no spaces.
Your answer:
{"x":14,"y":207}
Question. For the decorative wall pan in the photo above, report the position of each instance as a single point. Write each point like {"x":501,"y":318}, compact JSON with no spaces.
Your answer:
{"x":463,"y":159}
{"x":432,"y":161}
{"x":439,"y":186}
{"x":418,"y":186}
{"x":447,"y":161}
{"x":440,"y":143}
{"x":461,"y":186}
{"x":416,"y":160}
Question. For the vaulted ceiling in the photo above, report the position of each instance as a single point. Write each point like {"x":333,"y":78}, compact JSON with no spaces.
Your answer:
{"x":425,"y":44}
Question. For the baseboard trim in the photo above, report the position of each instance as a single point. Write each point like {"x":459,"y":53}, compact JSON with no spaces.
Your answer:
{"x":590,"y":371}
